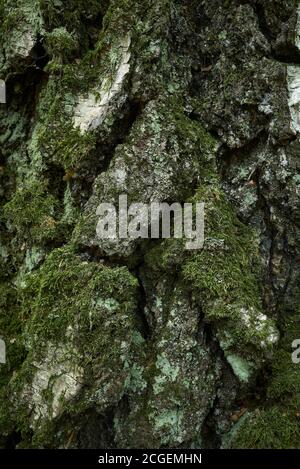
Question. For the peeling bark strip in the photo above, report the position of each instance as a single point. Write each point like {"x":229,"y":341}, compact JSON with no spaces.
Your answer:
{"x":137,"y":342}
{"x":91,"y":112}
{"x":293,"y":82}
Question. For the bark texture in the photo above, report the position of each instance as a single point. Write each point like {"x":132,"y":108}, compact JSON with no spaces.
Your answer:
{"x":141,"y":343}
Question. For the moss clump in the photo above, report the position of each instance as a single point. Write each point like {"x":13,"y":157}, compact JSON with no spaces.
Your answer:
{"x":273,"y":428}
{"x":10,"y":330}
{"x":72,"y":14}
{"x":19,"y":14}
{"x":21,"y":25}
{"x":61,"y":44}
{"x":59,"y":142}
{"x":225,"y":271}
{"x":277,"y":425}
{"x":33,"y":213}
{"x":11,"y":324}
{"x":223,"y":280}
{"x":224,"y":277}
{"x":66,"y":289}
{"x":75,"y":71}
{"x":285,"y":381}
{"x":284,"y":385}
{"x":80,"y":327}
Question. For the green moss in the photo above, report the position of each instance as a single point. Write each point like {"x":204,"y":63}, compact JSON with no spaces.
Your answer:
{"x":81,"y":314}
{"x":10,"y":329}
{"x":74,"y":71}
{"x":80,"y":318}
{"x":277,"y":424}
{"x":71,"y":14}
{"x":226,"y":268}
{"x":57,"y":138}
{"x":64,"y":145}
{"x":20,"y":13}
{"x":33,"y":213}
{"x":274,"y":428}
{"x":61,"y":44}
{"x":224,"y":276}
{"x":11,"y":324}
{"x":284,"y":385}
{"x":223,"y":280}
{"x":65,"y":289}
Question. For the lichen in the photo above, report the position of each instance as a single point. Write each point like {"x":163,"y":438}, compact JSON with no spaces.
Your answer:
{"x":143,"y":343}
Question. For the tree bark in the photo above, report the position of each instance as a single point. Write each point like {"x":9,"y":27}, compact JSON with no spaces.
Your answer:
{"x":141,"y":343}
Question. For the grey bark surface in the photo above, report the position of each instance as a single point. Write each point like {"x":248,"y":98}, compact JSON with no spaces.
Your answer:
{"x":141,"y":343}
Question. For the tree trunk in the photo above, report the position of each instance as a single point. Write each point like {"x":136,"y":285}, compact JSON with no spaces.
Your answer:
{"x":132,"y":342}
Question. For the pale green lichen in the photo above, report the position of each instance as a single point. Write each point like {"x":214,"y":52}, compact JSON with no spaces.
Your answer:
{"x":67,"y":315}
{"x":241,"y":368}
{"x":167,"y":373}
{"x":169,"y":425}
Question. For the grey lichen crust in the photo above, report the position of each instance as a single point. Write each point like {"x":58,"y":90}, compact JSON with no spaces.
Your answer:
{"x":142,"y":343}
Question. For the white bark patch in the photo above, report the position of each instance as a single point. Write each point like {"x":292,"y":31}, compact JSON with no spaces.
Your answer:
{"x":90,"y":112}
{"x":25,"y":44}
{"x":293,"y":84}
{"x":57,"y":374}
{"x":297,"y":31}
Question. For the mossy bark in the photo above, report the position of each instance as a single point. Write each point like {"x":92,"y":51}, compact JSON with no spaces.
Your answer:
{"x":141,"y":343}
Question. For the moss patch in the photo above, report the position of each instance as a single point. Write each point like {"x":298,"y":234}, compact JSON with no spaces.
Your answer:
{"x":277,"y":424}
{"x":33,"y":213}
{"x":80,"y":322}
